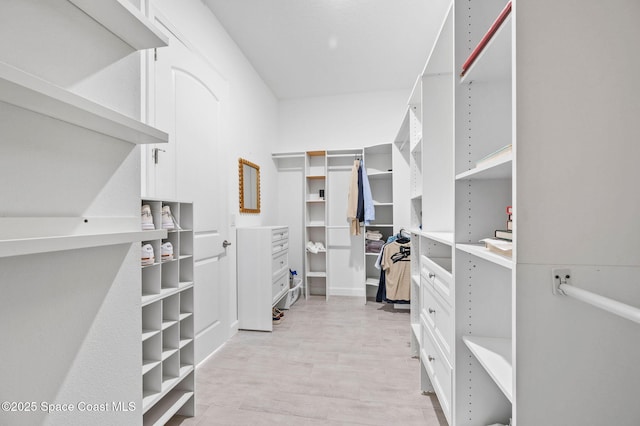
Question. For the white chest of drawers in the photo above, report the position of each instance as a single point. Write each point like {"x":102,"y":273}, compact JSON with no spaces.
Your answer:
{"x":263,"y":274}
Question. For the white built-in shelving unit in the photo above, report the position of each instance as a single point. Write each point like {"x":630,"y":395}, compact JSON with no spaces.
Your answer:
{"x":315,"y":222}
{"x":168,"y":363}
{"x":484,"y":308}
{"x":378,"y":162}
{"x":75,"y":166}
{"x":495,"y":343}
{"x":325,"y":220}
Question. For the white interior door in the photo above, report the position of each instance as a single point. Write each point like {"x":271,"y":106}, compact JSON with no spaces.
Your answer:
{"x":190,"y":103}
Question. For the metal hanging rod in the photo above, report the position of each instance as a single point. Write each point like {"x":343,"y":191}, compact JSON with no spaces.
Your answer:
{"x":562,"y":286}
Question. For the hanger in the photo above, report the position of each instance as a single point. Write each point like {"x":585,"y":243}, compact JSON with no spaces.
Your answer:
{"x":403,"y":237}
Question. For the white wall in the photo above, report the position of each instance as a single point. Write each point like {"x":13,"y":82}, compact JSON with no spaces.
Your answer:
{"x":344,"y":121}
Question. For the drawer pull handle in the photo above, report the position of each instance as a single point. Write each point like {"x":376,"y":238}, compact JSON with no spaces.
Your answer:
{"x":430,"y":358}
{"x":432,"y":275}
{"x":432,"y":311}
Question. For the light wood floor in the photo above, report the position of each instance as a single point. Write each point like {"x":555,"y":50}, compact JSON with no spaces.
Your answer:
{"x":327,"y":363}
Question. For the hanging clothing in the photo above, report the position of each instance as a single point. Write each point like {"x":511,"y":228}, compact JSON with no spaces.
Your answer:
{"x":352,"y":200}
{"x":369,"y":211}
{"x":396,"y":264}
{"x":360,"y":211}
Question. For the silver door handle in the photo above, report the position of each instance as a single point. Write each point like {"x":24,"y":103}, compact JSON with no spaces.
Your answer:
{"x":226,"y":244}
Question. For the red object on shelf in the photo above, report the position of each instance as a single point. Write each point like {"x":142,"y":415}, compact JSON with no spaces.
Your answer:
{"x":509,"y":210}
{"x":483,"y":43}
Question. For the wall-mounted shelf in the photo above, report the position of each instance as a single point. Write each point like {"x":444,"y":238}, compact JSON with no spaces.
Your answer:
{"x":499,"y":169}
{"x":30,"y":93}
{"x":18,"y":247}
{"x":482,"y":252}
{"x":494,"y":62}
{"x":494,"y":354}
{"x":125,"y":21}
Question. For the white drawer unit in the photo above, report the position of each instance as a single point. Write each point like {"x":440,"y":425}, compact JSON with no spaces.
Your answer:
{"x":437,"y":276}
{"x":263,"y":274}
{"x":437,"y":314}
{"x":438,"y":368}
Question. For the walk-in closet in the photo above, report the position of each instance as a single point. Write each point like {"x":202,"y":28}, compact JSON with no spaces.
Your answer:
{"x":319,"y":212}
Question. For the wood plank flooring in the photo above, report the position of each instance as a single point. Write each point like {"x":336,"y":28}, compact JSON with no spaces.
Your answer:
{"x":339,"y":362}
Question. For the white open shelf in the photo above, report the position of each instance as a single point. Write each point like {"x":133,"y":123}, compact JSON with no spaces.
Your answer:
{"x":372,"y":281}
{"x":380,"y":175}
{"x":168,"y":407}
{"x":34,"y":94}
{"x":150,"y":399}
{"x":441,"y":237}
{"x":498,"y":169}
{"x":43,"y":244}
{"x":484,"y":253}
{"x":125,"y":21}
{"x":494,"y":62}
{"x":316,"y":274}
{"x":494,"y":354}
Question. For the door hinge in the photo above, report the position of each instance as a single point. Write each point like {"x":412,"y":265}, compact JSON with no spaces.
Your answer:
{"x":155,"y":54}
{"x":154,"y":154}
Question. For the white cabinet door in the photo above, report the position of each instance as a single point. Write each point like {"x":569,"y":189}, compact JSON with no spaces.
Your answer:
{"x":190,"y":103}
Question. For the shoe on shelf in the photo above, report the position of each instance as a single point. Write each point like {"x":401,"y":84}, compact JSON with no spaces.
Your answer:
{"x":146,"y":218}
{"x":167,"y":218}
{"x":311,"y":247}
{"x":166,"y":250}
{"x":320,"y":247}
{"x":147,"y":257}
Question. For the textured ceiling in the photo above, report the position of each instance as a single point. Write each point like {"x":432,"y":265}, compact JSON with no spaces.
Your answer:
{"x":307,"y":48}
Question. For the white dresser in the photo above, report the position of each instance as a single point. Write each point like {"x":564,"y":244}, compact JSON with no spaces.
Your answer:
{"x":263,"y":274}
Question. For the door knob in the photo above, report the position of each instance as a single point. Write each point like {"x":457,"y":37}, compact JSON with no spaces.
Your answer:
{"x":226,"y":244}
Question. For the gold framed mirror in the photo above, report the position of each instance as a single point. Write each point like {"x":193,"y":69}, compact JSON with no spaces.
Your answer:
{"x":249,"y":174}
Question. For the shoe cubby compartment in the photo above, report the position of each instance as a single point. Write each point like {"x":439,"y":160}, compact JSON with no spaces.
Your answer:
{"x":174,"y":239}
{"x":186,"y":271}
{"x":186,"y":245}
{"x":186,"y":330}
{"x":186,"y":217}
{"x":170,"y":368}
{"x":151,"y":385}
{"x":186,"y":303}
{"x":151,"y":320}
{"x":156,"y":252}
{"x":150,"y":282}
{"x":170,"y":275}
{"x":175,"y":215}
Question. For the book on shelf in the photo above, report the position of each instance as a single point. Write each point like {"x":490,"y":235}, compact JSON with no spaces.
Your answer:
{"x":495,"y":155}
{"x":509,"y":225}
{"x":503,"y":234}
{"x":501,"y":247}
{"x":486,"y":38}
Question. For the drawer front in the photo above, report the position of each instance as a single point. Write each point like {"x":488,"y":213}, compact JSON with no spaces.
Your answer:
{"x":437,"y":314}
{"x":440,"y":279}
{"x":438,"y":369}
{"x":278,"y":287}
{"x":279,"y":234}
{"x":279,"y":263}
{"x":279,"y":246}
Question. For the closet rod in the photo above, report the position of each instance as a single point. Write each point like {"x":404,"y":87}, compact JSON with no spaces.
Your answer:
{"x":563,"y":287}
{"x":343,"y":155}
